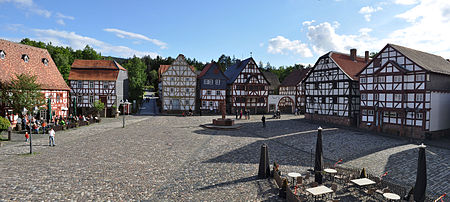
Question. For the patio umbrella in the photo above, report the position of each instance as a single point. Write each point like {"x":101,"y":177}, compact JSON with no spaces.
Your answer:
{"x":363,"y":173}
{"x":421,"y":179}
{"x":318,"y":165}
{"x":49,"y":103}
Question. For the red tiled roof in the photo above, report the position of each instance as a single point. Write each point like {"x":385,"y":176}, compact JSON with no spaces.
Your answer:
{"x":47,"y":76}
{"x":350,"y":67}
{"x":164,"y":68}
{"x":295,"y":77}
{"x":97,"y":64}
{"x":93,"y":75}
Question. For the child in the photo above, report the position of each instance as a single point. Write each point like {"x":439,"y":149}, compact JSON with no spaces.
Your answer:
{"x":27,"y":136}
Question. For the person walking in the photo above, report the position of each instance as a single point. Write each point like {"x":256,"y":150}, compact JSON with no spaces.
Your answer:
{"x":263,"y":119}
{"x":51,"y":137}
{"x":240,"y":115}
{"x":27,"y":136}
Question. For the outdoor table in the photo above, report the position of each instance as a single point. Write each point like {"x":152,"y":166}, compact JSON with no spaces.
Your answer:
{"x":363,"y":181}
{"x":391,"y":196}
{"x":316,"y":191}
{"x":330,"y":171}
{"x":294,"y":175}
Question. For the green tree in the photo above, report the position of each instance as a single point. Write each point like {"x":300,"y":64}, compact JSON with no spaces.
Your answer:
{"x":23,"y":92}
{"x":137,"y":77}
{"x":98,"y":107}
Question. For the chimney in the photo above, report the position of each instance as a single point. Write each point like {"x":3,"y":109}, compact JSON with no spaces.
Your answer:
{"x":353,"y":54}
{"x":366,"y":56}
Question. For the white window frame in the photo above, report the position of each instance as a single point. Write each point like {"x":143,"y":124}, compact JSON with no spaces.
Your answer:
{"x":420,"y":77}
{"x":91,"y":99}
{"x":397,"y":97}
{"x":217,"y":82}
{"x":218,"y":92}
{"x":80,"y":84}
{"x":419,"y":115}
{"x":370,"y":112}
{"x":208,"y":92}
{"x":419,"y":97}
{"x":397,"y":78}
{"x":363,"y":80}
{"x":91,"y":84}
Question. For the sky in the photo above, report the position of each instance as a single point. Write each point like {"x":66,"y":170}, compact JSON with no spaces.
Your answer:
{"x":281,"y":32}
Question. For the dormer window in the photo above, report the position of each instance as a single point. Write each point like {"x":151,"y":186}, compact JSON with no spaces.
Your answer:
{"x":2,"y":54}
{"x":25,"y":57}
{"x":45,"y":61}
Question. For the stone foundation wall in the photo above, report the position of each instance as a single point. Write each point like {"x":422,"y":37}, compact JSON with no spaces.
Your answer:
{"x":345,"y":121}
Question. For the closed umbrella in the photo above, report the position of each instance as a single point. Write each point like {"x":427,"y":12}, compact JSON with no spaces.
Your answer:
{"x":318,"y":165}
{"x":363,"y":173}
{"x":49,"y":103}
{"x":421,"y":179}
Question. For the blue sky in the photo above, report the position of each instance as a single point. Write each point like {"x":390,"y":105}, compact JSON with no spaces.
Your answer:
{"x":282,"y":32}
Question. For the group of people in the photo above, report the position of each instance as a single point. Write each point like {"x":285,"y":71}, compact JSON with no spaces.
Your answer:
{"x":241,"y":112}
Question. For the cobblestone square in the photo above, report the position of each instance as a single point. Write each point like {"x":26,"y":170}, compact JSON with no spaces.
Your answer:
{"x":168,"y":158}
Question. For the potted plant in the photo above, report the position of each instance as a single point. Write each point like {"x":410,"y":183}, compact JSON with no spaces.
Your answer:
{"x":4,"y":124}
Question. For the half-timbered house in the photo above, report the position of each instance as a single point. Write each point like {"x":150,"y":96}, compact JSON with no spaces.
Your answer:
{"x":16,"y":59}
{"x":212,"y":86}
{"x":178,"y":86}
{"x":247,"y":88}
{"x":406,"y":91}
{"x":103,"y":80}
{"x":332,"y":88}
{"x":293,"y":85}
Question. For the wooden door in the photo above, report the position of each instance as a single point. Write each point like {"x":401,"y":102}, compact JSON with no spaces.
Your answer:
{"x":104,"y":100}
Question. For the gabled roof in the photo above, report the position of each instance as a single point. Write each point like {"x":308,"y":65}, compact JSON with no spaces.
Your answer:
{"x":428,"y":61}
{"x":95,"y":70}
{"x":347,"y":65}
{"x":233,"y":71}
{"x":295,"y":77}
{"x":47,"y":76}
{"x":273,"y":80}
{"x":97,"y":64}
{"x":211,"y":66}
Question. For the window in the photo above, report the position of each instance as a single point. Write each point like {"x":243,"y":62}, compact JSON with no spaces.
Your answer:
{"x":91,"y":99}
{"x":218,"y":92}
{"x":2,"y":54}
{"x":188,"y":79}
{"x":419,"y":116}
{"x":323,"y":100}
{"x":25,"y":57}
{"x":105,"y":85}
{"x":80,"y":99}
{"x":204,"y":103}
{"x":58,"y":97}
{"x":316,"y":85}
{"x":398,"y":97}
{"x":80,"y":84}
{"x":375,"y":96}
{"x":91,"y":84}
{"x":334,"y":85}
{"x":334,"y":100}
{"x":386,"y":114}
{"x":420,"y":77}
{"x":370,"y":112}
{"x":210,"y":103}
{"x":393,"y":114}
{"x":364,"y":112}
{"x":419,"y":97}
{"x":217,"y":81}
{"x":208,"y":92}
{"x":187,"y":102}
{"x":397,"y":78}
{"x":45,"y":61}
{"x":171,"y":90}
{"x":381,"y":79}
{"x":187,"y":90}
{"x":410,"y":115}
{"x":172,"y":79}
{"x":363,"y":96}
{"x":363,"y":80}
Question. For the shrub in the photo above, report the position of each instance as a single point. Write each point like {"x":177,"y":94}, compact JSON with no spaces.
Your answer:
{"x":4,"y":123}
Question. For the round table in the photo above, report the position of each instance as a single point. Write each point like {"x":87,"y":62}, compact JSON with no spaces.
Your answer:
{"x":391,"y":196}
{"x":294,"y":175}
{"x":331,"y":172}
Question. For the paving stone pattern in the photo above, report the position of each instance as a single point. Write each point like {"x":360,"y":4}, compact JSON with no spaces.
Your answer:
{"x":168,"y":158}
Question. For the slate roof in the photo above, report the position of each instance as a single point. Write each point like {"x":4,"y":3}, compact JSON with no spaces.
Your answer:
{"x":273,"y":80}
{"x":347,"y":65}
{"x":47,"y":76}
{"x":95,"y":70}
{"x":233,"y":71}
{"x":295,"y":77}
{"x":428,"y":61}
{"x":208,"y":66}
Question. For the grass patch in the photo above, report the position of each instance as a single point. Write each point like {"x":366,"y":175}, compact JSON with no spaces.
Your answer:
{"x":28,"y":154}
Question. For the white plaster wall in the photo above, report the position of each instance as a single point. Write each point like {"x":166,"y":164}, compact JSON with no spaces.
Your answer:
{"x":440,"y":110}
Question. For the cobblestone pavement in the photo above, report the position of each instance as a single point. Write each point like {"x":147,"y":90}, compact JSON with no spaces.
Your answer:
{"x":173,"y":159}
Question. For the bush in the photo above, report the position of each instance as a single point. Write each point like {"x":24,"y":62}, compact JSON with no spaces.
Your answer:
{"x":4,"y":123}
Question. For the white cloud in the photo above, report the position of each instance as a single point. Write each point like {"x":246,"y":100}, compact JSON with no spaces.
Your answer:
{"x":60,"y":21}
{"x":406,"y":2}
{"x":29,"y":6}
{"x":323,"y":38}
{"x":307,"y":23}
{"x":59,"y":15}
{"x":282,"y":45}
{"x":368,"y":10}
{"x":124,"y":34}
{"x":76,"y":41}
{"x":261,"y":44}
